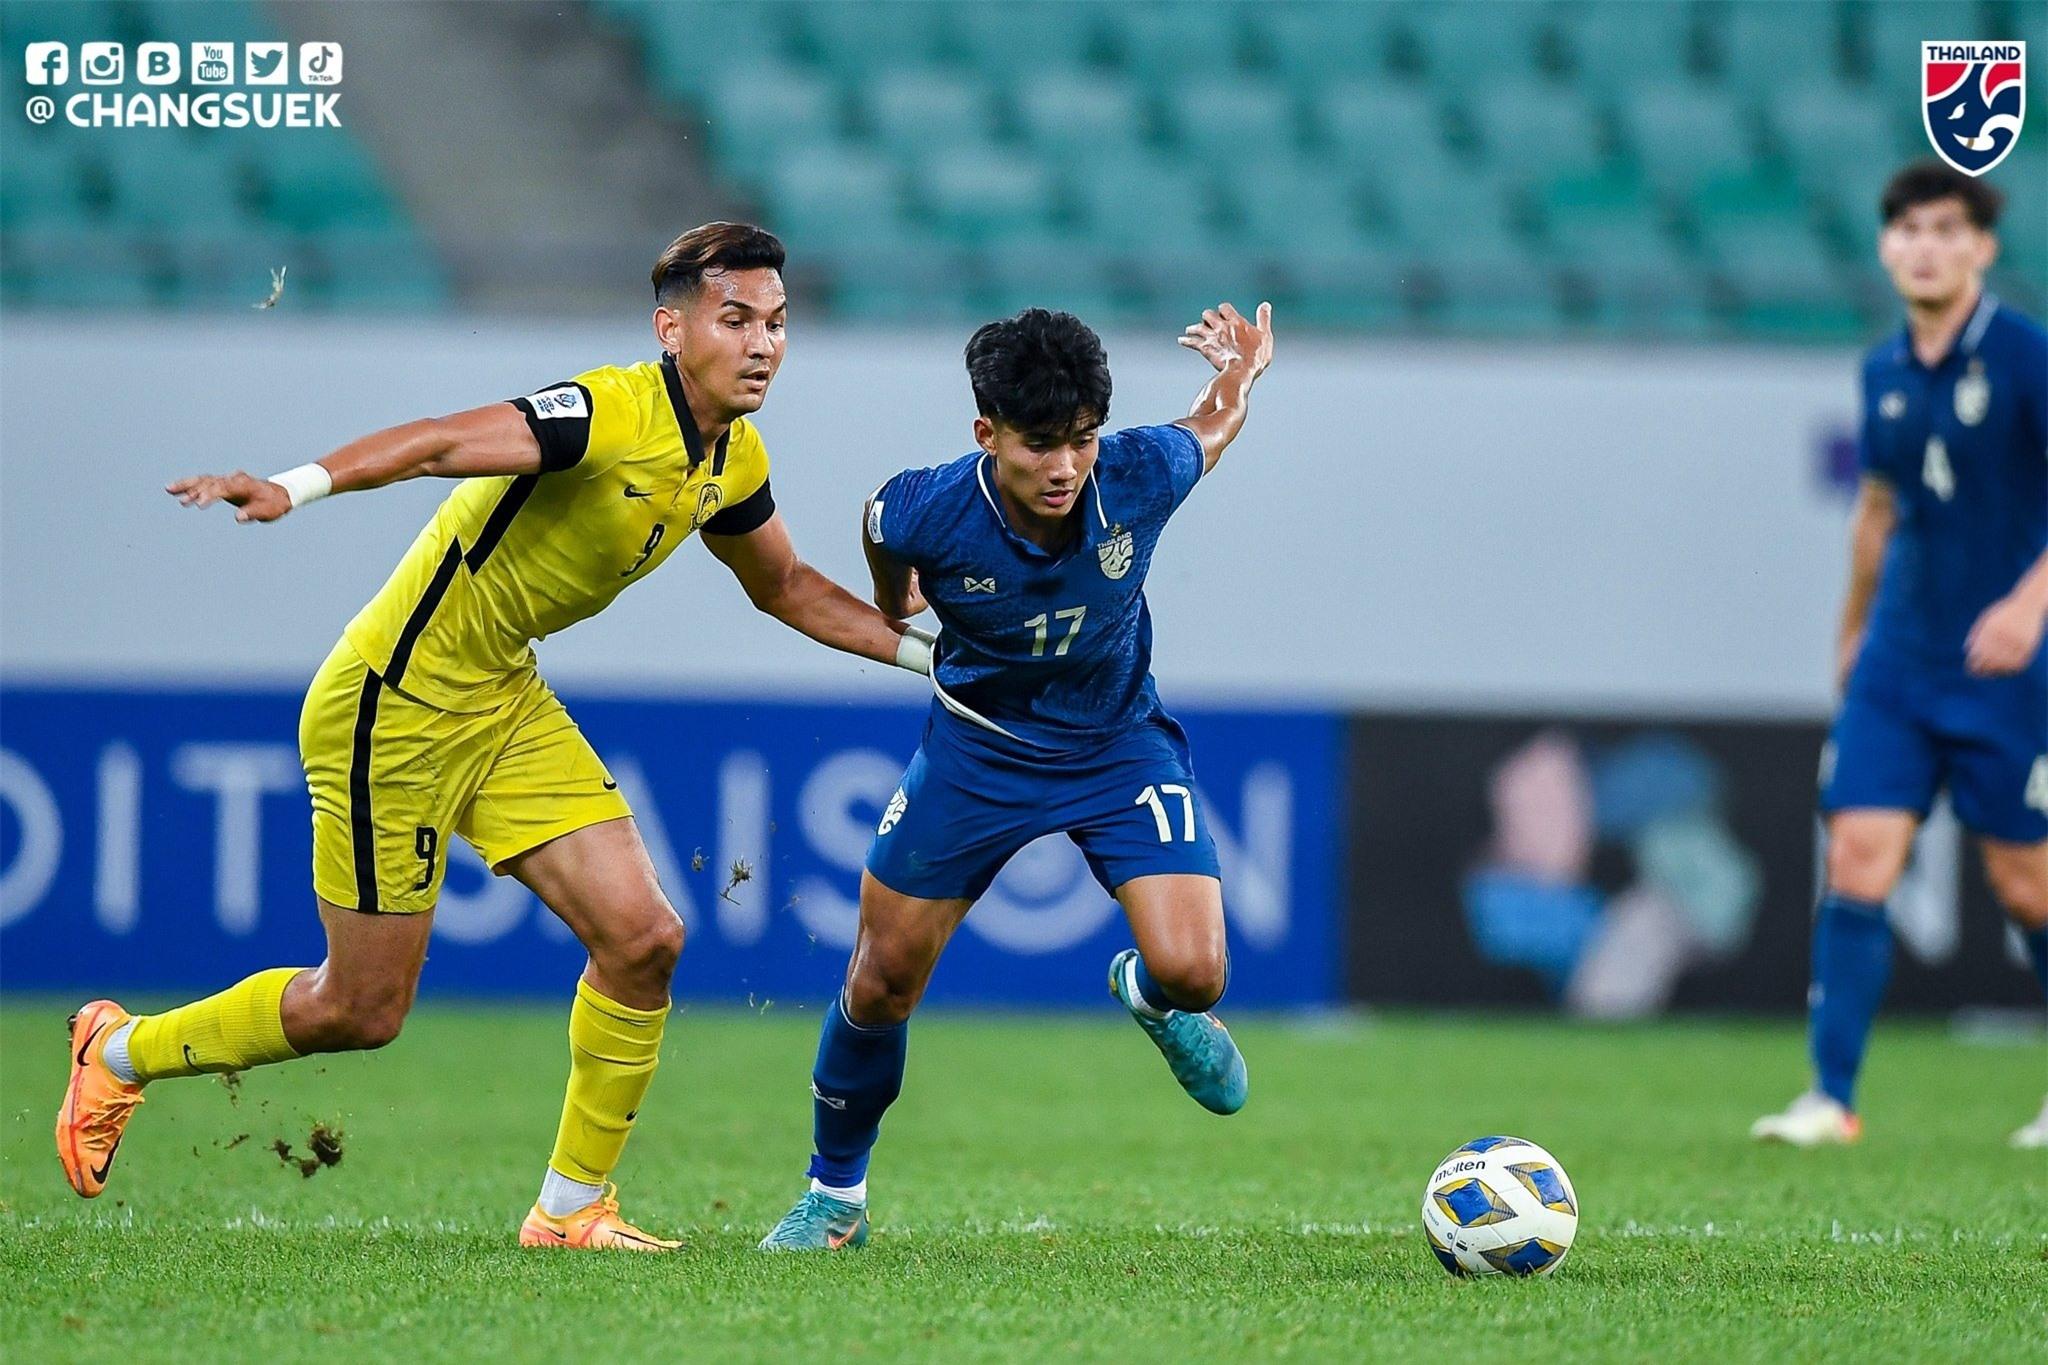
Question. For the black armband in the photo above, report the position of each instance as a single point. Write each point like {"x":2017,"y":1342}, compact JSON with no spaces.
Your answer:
{"x":559,"y":417}
{"x":750,"y":513}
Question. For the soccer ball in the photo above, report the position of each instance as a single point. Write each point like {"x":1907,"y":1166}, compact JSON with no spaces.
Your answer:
{"x":1500,"y":1206}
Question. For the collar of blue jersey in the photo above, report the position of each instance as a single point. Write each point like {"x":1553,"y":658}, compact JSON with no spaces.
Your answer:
{"x":1966,"y":343}
{"x":693,"y":439}
{"x":1003,"y":518}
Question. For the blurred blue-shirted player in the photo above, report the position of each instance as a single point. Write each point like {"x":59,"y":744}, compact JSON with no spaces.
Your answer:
{"x":1033,"y":551}
{"x":1946,"y":682}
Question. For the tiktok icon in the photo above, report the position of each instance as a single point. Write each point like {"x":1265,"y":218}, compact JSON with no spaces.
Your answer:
{"x":319,"y":63}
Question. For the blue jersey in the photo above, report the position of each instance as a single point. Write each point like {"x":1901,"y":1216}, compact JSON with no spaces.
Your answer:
{"x":1964,"y":446}
{"x":1040,"y":652}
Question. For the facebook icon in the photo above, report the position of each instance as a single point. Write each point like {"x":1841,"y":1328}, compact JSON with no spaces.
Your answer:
{"x":48,"y":63}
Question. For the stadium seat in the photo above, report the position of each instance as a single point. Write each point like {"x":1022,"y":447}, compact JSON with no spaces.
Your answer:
{"x":1889,"y":37}
{"x":1029,"y":37}
{"x":913,"y":111}
{"x":1619,"y":48}
{"x":979,"y":193}
{"x":1430,"y":212}
{"x":388,"y":267}
{"x":1535,"y":131}
{"x":1049,"y":270}
{"x":1370,"y":126}
{"x":683,"y":64}
{"x":1219,"y":121}
{"x":1141,"y":203}
{"x":1832,"y":135}
{"x":1465,"y":45}
{"x":165,"y":178}
{"x":850,"y":40}
{"x":1285,"y":205}
{"x":42,"y":181}
{"x":1756,"y":46}
{"x":759,"y":112}
{"x":1312,"y":45}
{"x":833,"y":198}
{"x":1162,"y":42}
{"x":90,"y":267}
{"x":1063,"y":114}
{"x":1366,"y":283}
{"x":1683,"y":136}
{"x":1603,"y":221}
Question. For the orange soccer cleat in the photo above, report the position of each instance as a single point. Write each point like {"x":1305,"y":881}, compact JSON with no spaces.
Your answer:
{"x":97,"y":1103}
{"x":596,"y":1226}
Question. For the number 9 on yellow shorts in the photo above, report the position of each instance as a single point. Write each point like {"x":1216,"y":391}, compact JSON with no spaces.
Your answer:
{"x":393,"y":779}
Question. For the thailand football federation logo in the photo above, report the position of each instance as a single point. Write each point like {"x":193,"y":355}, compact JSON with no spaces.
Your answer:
{"x":1115,"y":552}
{"x":1973,"y":99}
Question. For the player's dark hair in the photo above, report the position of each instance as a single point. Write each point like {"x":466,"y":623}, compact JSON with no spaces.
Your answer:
{"x":712,"y":246}
{"x":1924,"y":182}
{"x":1040,"y":372}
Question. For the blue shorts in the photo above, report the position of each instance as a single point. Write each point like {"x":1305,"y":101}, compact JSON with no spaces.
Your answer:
{"x":964,"y":809}
{"x":1904,"y":733}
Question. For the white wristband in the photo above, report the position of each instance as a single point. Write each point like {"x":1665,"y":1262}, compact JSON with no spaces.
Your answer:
{"x":914,"y":650}
{"x":305,"y":483}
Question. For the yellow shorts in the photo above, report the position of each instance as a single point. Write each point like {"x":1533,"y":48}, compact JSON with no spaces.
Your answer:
{"x":391,"y":778}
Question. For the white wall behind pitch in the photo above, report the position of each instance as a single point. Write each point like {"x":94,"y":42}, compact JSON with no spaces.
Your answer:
{"x":1449,"y":525}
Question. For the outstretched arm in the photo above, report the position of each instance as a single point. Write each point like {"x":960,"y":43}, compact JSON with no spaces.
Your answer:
{"x":778,"y":583}
{"x":494,"y":439}
{"x":1240,"y":349}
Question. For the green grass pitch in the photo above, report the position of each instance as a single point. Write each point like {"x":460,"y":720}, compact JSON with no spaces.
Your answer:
{"x":1042,"y":1191}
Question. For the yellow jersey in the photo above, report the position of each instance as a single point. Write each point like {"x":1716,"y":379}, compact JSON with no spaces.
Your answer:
{"x":512,"y":559}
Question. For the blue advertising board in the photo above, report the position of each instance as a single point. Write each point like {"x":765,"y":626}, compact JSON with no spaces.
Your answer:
{"x":159,"y":840}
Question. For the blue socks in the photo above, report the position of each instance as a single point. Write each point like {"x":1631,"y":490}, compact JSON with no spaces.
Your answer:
{"x":2037,"y":953}
{"x":858,"y":1074}
{"x":1149,"y":990}
{"x":1852,"y":960}
{"x":1159,"y":998}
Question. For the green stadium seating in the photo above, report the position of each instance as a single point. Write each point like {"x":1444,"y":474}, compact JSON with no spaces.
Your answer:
{"x":1369,"y":126}
{"x":1218,"y":120}
{"x":1536,"y":131}
{"x":1027,"y":37}
{"x":1830,"y":137}
{"x":1621,"y":46}
{"x":1315,"y":44}
{"x":914,"y":111}
{"x":1891,"y":34}
{"x":1284,"y":205}
{"x":1159,"y":42}
{"x":833,"y":198}
{"x":1466,"y":44}
{"x":984,"y":193}
{"x":1072,"y":113}
{"x":1605,"y":221}
{"x":1683,"y":136}
{"x":688,"y":42}
{"x":1050,"y":270}
{"x":1757,"y":45}
{"x":1135,"y":205}
{"x":759,"y":113}
{"x":848,"y":38}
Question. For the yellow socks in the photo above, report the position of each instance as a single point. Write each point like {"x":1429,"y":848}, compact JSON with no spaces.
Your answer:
{"x":613,"y":1050}
{"x":241,"y":1027}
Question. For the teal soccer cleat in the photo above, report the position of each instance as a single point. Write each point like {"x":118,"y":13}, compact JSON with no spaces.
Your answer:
{"x":819,"y":1223}
{"x":1198,"y":1049}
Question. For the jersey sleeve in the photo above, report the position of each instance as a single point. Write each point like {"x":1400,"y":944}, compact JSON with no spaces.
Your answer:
{"x":1866,"y":425}
{"x":896,"y":515}
{"x":752,"y":502}
{"x":1165,"y":461}
{"x":588,"y":423}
